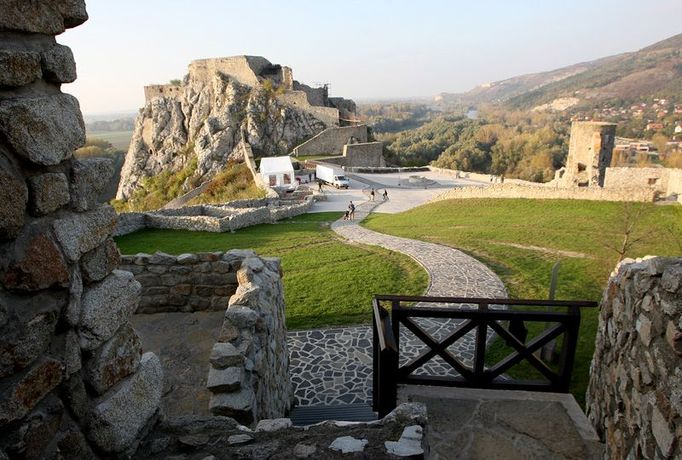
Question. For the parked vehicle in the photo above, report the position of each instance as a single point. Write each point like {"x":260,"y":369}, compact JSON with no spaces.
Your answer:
{"x":331,"y":176}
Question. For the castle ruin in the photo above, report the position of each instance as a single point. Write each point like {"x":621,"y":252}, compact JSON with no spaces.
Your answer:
{"x":589,"y":154}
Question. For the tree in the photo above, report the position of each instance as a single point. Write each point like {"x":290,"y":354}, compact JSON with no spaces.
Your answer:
{"x":176,"y":82}
{"x":629,"y":227}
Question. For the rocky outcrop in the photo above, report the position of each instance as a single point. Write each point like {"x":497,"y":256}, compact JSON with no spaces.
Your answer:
{"x":220,"y":103}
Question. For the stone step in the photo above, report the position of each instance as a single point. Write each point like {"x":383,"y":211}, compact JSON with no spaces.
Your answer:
{"x":309,"y":415}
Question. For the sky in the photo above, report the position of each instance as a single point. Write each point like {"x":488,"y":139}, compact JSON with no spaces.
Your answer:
{"x":365,"y":50}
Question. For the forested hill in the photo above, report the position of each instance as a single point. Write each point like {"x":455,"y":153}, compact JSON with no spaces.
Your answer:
{"x":654,"y":71}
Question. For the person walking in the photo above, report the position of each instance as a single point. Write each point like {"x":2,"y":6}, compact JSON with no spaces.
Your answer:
{"x":385,"y":195}
{"x":351,"y":211}
{"x":371,"y":194}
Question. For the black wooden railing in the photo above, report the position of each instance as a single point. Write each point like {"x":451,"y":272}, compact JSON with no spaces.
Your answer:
{"x":562,"y":318}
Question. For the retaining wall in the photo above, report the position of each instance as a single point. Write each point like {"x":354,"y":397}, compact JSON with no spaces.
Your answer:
{"x":331,"y":141}
{"x":634,"y":398}
{"x":364,"y":154}
{"x":549,"y":193}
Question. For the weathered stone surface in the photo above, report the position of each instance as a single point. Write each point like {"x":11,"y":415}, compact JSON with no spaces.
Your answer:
{"x":88,"y":178}
{"x":409,"y":444}
{"x":304,"y":450}
{"x":49,"y":17}
{"x":80,"y":233}
{"x":33,"y":437}
{"x":273,"y":424}
{"x":72,"y":313}
{"x":13,"y":198}
{"x":49,"y":192}
{"x":225,"y":355}
{"x":120,"y":415}
{"x":239,"y":439}
{"x":106,"y":306}
{"x":25,"y":337}
{"x":19,"y":68}
{"x":224,"y":380}
{"x":116,"y":359}
{"x":58,"y":64}
{"x":237,"y":405}
{"x":45,"y":130}
{"x":99,"y":262}
{"x":33,"y":262}
{"x":348,"y":444}
{"x":240,"y":316}
{"x":21,"y":393}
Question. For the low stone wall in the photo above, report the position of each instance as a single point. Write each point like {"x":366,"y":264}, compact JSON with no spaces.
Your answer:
{"x":187,"y":283}
{"x":634,"y":398}
{"x":548,"y":193}
{"x":249,"y":373}
{"x":658,"y":179}
{"x":487,"y":178}
{"x":206,"y":218}
{"x":386,"y":170}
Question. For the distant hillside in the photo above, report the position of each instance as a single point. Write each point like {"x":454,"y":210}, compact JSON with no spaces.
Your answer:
{"x":654,"y":71}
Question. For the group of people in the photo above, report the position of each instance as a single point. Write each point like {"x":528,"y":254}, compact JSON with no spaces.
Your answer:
{"x":372,"y":194}
{"x":350,"y":212}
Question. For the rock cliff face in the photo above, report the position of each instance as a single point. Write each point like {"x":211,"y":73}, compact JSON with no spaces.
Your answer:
{"x":219,"y":103}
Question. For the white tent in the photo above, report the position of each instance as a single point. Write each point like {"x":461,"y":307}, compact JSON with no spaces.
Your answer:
{"x":277,"y":171}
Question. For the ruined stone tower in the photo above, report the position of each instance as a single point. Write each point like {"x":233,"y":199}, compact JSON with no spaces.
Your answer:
{"x":589,"y":154}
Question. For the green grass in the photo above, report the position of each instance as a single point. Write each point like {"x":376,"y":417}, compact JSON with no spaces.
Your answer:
{"x":478,"y":226}
{"x":119,"y":139}
{"x":326,"y":282}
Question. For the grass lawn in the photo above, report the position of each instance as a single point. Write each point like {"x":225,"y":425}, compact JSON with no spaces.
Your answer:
{"x":326,"y":282}
{"x":485,"y":228}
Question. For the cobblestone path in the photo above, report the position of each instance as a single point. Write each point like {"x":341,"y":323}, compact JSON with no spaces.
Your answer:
{"x":334,"y":366}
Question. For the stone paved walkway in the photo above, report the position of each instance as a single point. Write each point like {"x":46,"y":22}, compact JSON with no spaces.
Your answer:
{"x":334,"y":366}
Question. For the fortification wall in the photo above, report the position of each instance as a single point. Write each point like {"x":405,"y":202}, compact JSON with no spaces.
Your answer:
{"x":152,"y":91}
{"x":206,"y":218}
{"x":655,"y":178}
{"x":634,"y":398}
{"x":548,"y":193}
{"x":249,"y":373}
{"x":244,"y":69}
{"x":368,"y":154}
{"x":331,"y":141}
{"x":187,"y":283}
{"x":314,"y":96}
{"x":589,"y":153}
{"x":74,"y":382}
{"x":327,"y":115}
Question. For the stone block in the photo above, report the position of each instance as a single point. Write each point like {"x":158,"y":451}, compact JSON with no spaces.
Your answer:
{"x":178,"y":300}
{"x":181,"y":289}
{"x":13,"y":199}
{"x":155,"y":290}
{"x":26,"y":337}
{"x":171,"y":280}
{"x":80,"y":233}
{"x":199,"y":303}
{"x":22,"y":392}
{"x":225,"y":355}
{"x":89,"y":177}
{"x":99,"y":262}
{"x":44,"y":130}
{"x":219,"y":303}
{"x":32,"y":438}
{"x":237,"y":439}
{"x":276,"y":424}
{"x":34,"y":261}
{"x":72,"y":314}
{"x":112,"y":362}
{"x":48,"y":192}
{"x":58,"y":64}
{"x":161,"y":258}
{"x":187,"y":259}
{"x":348,"y":444}
{"x":241,"y":317}
{"x":120,"y":415}
{"x":149,"y":280}
{"x":671,"y":280}
{"x":106,"y":306}
{"x":49,"y":17}
{"x":225,"y":380}
{"x":409,"y":444}
{"x":221,"y":266}
{"x":203,"y":291}
{"x":19,"y":68}
{"x":238,"y":405}
{"x":157,"y":269}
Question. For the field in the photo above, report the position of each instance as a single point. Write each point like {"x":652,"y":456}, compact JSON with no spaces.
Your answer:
{"x":119,"y":139}
{"x":522,"y":239}
{"x":326,"y":282}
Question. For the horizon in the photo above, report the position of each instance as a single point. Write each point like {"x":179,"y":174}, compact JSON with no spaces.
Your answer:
{"x":368,"y":53}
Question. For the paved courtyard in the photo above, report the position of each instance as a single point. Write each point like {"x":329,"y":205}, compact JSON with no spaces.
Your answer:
{"x":334,"y":366}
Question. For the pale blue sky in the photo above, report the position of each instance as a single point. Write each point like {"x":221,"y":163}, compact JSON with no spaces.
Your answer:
{"x":364,"y":49}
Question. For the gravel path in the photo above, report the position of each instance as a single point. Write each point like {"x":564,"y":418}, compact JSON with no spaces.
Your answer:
{"x":334,"y":366}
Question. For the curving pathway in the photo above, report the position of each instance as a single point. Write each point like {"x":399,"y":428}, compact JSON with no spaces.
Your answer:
{"x":334,"y":366}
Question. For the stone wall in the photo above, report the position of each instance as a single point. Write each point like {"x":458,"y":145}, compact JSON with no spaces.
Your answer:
{"x":152,"y":91}
{"x":331,"y":141}
{"x":634,"y":398}
{"x":244,"y":69}
{"x":666,"y":181}
{"x":73,"y":380}
{"x":549,"y":193}
{"x":186,"y":283}
{"x":207,"y":218}
{"x":299,"y":99}
{"x":249,"y":373}
{"x":366,"y":154}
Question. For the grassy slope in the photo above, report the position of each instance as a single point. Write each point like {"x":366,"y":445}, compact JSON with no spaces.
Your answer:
{"x":476,"y":225}
{"x":326,"y":282}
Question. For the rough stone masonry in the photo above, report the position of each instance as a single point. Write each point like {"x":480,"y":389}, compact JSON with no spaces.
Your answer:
{"x":73,"y":380}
